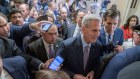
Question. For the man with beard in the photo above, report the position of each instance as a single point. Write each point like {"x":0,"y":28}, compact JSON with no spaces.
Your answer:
{"x":16,"y":19}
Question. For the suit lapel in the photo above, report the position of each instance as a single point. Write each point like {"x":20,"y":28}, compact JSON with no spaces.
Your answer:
{"x":79,"y":51}
{"x":115,"y":36}
{"x":56,"y":45}
{"x":41,"y":51}
{"x":103,"y":37}
{"x":72,"y":30}
{"x":91,"y":54}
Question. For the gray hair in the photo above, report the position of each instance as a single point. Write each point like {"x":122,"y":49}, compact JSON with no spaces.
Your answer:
{"x":89,"y":17}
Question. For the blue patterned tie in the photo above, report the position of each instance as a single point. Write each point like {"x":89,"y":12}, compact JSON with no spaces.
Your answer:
{"x":109,"y":38}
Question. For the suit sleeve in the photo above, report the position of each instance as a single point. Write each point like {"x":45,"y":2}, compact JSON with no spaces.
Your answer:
{"x":20,"y":31}
{"x":62,"y":52}
{"x":32,"y":61}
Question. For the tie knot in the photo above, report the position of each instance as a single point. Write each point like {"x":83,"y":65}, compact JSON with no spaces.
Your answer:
{"x":50,"y":45}
{"x":86,"y":49}
{"x":87,"y":46}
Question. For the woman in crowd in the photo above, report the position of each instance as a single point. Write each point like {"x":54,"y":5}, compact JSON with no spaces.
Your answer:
{"x":127,"y":28}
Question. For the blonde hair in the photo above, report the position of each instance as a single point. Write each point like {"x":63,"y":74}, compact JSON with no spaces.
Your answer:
{"x":49,"y":74}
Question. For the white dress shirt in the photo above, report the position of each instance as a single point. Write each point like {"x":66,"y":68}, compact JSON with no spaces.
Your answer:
{"x":47,"y":47}
{"x":76,"y":30}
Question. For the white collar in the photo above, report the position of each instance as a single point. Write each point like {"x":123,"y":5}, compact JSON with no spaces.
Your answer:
{"x":77,"y":26}
{"x":27,"y":18}
{"x":107,"y":33}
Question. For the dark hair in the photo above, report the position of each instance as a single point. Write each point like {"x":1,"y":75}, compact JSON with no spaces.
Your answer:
{"x":14,"y":11}
{"x":111,"y":13}
{"x":114,"y":6}
{"x":79,"y":10}
{"x":44,"y":17}
{"x":126,"y":25}
{"x":19,"y":1}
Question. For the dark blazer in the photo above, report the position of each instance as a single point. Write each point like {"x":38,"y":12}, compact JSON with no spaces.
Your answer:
{"x":70,"y":31}
{"x":17,"y":33}
{"x":8,"y":48}
{"x":72,"y":52}
{"x":65,"y":27}
{"x":121,"y":60}
{"x":31,"y":20}
{"x":16,"y":67}
{"x":117,"y":39}
{"x":37,"y":49}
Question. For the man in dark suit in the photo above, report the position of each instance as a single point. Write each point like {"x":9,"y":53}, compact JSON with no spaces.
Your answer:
{"x":64,"y":21}
{"x":75,"y":28}
{"x":18,"y":29}
{"x":13,"y":68}
{"x":8,"y":48}
{"x":124,"y":58}
{"x":81,"y":53}
{"x":3,"y":8}
{"x":25,"y":13}
{"x":40,"y":48}
{"x":111,"y":36}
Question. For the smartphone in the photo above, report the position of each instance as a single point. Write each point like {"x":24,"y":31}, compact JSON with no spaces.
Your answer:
{"x":46,"y":26}
{"x":56,"y":63}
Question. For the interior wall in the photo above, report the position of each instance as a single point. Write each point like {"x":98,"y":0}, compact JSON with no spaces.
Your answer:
{"x":138,"y":10}
{"x":123,"y":7}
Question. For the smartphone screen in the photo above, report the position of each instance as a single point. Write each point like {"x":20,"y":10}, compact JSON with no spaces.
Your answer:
{"x":56,"y":63}
{"x":46,"y":26}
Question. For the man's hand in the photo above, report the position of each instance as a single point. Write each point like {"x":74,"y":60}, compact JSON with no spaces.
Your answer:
{"x":118,"y":48}
{"x":37,"y":25}
{"x":90,"y":75}
{"x":79,"y":76}
{"x":47,"y":63}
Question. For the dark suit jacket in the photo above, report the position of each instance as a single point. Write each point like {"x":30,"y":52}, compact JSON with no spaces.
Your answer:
{"x":37,"y":49}
{"x":8,"y":48}
{"x":72,"y":52}
{"x":117,"y":39}
{"x":65,"y":27}
{"x":70,"y":31}
{"x":121,"y":60}
{"x":4,"y":10}
{"x":17,"y":33}
{"x":31,"y":20}
{"x":16,"y":67}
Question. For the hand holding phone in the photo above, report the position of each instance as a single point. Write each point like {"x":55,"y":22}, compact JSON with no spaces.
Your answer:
{"x":56,"y":63}
{"x":46,"y":26}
